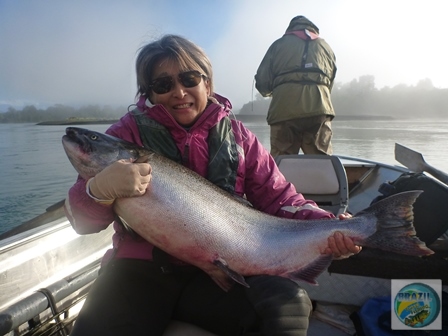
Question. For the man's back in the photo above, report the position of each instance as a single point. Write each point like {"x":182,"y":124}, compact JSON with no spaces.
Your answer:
{"x":298,"y":72}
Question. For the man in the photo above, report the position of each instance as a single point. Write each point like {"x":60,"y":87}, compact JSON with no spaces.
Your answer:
{"x":298,"y":72}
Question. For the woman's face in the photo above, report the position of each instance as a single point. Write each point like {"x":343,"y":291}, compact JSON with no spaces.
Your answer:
{"x":185,"y":104}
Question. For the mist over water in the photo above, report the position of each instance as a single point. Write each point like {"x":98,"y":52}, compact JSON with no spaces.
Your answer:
{"x":36,"y":173}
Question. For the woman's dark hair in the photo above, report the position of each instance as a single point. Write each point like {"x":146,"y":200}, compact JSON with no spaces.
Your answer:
{"x":171,"y":48}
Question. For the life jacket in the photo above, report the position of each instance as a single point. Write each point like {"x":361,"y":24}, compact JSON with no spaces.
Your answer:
{"x":311,"y":61}
{"x":222,"y":149}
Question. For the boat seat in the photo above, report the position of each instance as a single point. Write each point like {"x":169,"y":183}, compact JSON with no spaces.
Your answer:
{"x":321,"y":178}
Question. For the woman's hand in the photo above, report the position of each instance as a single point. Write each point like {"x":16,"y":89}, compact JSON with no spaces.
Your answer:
{"x":121,"y":179}
{"x":342,"y":246}
{"x":345,"y":215}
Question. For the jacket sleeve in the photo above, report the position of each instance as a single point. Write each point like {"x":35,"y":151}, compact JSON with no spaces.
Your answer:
{"x":267,"y":189}
{"x":85,"y":214}
{"x":264,"y":78}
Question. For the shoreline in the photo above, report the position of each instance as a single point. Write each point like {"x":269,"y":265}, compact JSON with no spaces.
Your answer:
{"x":241,"y":117}
{"x":77,"y":122}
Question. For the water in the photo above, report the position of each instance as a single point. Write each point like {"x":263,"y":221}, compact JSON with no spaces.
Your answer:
{"x":35,"y":171}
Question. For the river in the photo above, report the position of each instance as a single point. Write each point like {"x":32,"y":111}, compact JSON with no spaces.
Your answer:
{"x":35,"y":172}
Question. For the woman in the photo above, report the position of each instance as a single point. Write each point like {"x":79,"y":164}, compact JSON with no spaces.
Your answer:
{"x":140,"y":288}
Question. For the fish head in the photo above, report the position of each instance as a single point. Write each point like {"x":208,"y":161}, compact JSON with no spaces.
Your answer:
{"x":90,"y":152}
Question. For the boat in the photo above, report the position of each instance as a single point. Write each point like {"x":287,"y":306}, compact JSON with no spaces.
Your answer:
{"x":46,"y":269}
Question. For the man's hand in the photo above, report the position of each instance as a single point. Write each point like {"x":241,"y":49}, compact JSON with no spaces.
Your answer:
{"x":121,"y":179}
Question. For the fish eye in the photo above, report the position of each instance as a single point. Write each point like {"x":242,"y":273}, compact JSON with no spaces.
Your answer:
{"x":93,"y":137}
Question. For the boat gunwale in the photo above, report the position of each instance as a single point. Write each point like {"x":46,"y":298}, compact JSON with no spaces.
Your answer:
{"x":37,"y":233}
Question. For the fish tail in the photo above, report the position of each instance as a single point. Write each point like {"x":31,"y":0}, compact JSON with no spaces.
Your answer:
{"x":395,"y":229}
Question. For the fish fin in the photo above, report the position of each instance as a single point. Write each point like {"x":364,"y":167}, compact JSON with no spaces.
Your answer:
{"x":126,"y":226}
{"x":242,"y":200}
{"x":231,"y":273}
{"x":310,"y":272}
{"x":395,"y":229}
{"x":143,"y":159}
{"x":222,"y":280}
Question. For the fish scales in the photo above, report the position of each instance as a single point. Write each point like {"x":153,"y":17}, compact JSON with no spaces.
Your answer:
{"x":197,"y":222}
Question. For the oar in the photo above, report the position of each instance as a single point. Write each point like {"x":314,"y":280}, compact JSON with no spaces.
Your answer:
{"x":415,"y":162}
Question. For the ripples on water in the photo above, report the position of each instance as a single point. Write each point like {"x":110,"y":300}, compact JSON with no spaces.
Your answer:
{"x":35,"y":171}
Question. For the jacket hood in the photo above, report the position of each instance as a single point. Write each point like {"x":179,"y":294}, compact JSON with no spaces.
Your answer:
{"x":223,"y":101}
{"x":300,"y":23}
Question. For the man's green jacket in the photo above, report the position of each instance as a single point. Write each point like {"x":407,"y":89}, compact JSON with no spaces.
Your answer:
{"x":298,"y":72}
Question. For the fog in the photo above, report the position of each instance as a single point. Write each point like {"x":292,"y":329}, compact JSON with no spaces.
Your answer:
{"x":83,"y":52}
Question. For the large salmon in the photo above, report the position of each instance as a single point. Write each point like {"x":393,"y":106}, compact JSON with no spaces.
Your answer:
{"x":197,"y":222}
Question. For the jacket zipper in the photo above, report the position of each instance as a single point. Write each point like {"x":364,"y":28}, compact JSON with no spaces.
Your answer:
{"x":186,"y":156}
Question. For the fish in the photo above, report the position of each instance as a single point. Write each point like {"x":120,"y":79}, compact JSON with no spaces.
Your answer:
{"x":188,"y":217}
{"x":420,"y":317}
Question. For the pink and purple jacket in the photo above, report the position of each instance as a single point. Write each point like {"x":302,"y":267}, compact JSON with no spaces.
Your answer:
{"x":258,"y":177}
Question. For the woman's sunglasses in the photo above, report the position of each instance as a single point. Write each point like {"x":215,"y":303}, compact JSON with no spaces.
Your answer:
{"x":188,"y":79}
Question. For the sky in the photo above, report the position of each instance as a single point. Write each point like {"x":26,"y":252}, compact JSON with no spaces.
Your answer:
{"x":83,"y":52}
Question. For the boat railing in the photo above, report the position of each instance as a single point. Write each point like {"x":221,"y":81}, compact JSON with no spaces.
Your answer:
{"x":44,"y":273}
{"x":49,"y":308}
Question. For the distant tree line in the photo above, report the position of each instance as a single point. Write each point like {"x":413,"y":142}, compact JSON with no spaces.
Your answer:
{"x":359,"y":97}
{"x":30,"y":114}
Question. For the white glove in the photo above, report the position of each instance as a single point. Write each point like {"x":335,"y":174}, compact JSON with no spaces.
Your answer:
{"x":120,"y":179}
